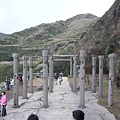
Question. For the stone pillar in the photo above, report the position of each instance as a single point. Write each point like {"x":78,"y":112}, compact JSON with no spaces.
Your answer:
{"x":45,"y":78}
{"x":111,"y":79}
{"x":100,"y":89}
{"x":70,"y":66}
{"x":82,"y":78}
{"x":15,"y":76}
{"x":94,"y":74}
{"x":24,"y":77}
{"x":31,"y":74}
{"x":74,"y":75}
{"x":50,"y":74}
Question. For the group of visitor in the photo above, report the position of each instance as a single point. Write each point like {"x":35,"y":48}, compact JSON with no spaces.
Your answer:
{"x":9,"y":82}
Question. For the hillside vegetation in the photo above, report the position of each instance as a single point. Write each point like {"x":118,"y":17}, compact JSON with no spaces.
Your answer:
{"x":98,"y":36}
{"x":32,"y":40}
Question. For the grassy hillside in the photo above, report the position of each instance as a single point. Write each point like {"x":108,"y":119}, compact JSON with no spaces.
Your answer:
{"x":98,"y":36}
{"x":31,"y":41}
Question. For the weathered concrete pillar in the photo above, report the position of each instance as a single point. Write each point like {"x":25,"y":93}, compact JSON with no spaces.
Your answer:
{"x":100,"y":90}
{"x":45,"y":78}
{"x":74,"y":75}
{"x":24,"y":77}
{"x":111,"y":80}
{"x":50,"y":74}
{"x":70,"y":66}
{"x":94,"y":74}
{"x":31,"y":74}
{"x":82,"y":78}
{"x":15,"y":76}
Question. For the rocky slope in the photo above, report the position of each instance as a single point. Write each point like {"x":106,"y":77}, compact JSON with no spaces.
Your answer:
{"x":103,"y":38}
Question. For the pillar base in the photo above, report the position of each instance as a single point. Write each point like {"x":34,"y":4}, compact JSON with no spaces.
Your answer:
{"x":45,"y":106}
{"x":93,"y":91}
{"x":31,"y":92}
{"x":109,"y":105}
{"x":100,"y":97}
{"x":24,"y":97}
{"x":51,"y":91}
{"x":74,"y":91}
{"x":15,"y":106}
{"x":82,"y":106}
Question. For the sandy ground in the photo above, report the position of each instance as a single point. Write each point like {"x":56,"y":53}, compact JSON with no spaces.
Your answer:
{"x":36,"y":84}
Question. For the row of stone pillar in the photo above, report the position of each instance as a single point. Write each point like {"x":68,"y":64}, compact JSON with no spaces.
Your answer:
{"x":100,"y":89}
{"x":82,"y":77}
{"x":15,"y":76}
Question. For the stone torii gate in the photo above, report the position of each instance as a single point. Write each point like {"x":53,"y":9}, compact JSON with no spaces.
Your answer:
{"x":45,"y":73}
{"x":72,"y":68}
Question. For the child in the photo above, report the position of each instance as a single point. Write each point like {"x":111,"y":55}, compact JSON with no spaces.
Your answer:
{"x":3,"y":104}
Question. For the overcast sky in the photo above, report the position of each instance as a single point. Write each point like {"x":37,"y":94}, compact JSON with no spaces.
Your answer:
{"x":16,"y":15}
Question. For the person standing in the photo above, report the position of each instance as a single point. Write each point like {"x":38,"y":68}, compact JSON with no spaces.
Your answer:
{"x":3,"y":104}
{"x":56,"y":77}
{"x":12,"y":83}
{"x":7,"y":84}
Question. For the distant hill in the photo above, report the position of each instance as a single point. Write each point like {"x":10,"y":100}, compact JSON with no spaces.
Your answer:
{"x":84,"y":31}
{"x":2,"y":35}
{"x":32,"y":40}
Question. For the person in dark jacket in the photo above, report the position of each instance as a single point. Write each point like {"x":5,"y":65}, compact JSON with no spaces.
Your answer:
{"x":33,"y":117}
{"x":78,"y":115}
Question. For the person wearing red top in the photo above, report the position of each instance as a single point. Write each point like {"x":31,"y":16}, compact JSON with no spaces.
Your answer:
{"x":3,"y":103}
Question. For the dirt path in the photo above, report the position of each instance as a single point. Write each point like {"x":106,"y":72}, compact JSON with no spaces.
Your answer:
{"x":36,"y":84}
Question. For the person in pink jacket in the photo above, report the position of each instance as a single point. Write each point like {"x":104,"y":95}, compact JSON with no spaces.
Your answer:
{"x":3,"y":103}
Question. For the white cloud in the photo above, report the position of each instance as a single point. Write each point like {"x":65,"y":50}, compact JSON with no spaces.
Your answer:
{"x":16,"y":15}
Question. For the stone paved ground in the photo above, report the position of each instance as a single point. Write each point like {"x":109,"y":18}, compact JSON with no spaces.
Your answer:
{"x":62,"y":101}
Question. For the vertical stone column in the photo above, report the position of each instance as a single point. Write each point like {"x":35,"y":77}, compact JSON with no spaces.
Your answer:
{"x":70,"y":66}
{"x":82,"y":78}
{"x":100,"y":89}
{"x":94,"y":74}
{"x":50,"y":74}
{"x":24,"y":77}
{"x":74,"y":75}
{"x":15,"y":76}
{"x":111,"y":79}
{"x":45,"y":78}
{"x":31,"y":74}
